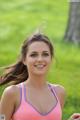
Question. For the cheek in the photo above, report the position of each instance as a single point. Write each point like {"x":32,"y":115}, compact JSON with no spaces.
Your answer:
{"x":29,"y":67}
{"x":30,"y":63}
{"x":48,"y":61}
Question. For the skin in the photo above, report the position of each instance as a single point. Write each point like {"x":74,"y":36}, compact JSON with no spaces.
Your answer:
{"x":36,"y":85}
{"x":75,"y":116}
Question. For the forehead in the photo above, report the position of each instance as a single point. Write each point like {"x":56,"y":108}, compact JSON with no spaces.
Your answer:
{"x":38,"y":46}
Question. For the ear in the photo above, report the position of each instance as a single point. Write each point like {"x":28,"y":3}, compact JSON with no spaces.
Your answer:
{"x":24,"y":62}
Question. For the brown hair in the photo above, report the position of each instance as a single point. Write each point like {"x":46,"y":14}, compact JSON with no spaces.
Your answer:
{"x":18,"y":72}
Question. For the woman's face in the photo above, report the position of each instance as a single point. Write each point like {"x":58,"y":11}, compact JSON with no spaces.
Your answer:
{"x":38,"y":58}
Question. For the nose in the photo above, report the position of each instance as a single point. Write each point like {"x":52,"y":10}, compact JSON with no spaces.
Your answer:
{"x":40,"y":58}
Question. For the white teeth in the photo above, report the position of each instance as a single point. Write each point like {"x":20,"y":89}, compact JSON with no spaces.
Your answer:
{"x":39,"y":66}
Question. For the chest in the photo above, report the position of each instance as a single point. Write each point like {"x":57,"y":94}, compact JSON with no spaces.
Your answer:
{"x":43,"y":101}
{"x":42,"y":104}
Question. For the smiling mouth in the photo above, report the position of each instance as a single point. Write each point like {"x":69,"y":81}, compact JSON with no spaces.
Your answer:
{"x":40,"y":66}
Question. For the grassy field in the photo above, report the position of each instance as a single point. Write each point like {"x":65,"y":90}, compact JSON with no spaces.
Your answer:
{"x":20,"y":18}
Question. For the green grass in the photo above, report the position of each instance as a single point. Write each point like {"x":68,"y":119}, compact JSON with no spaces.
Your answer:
{"x":19,"y":19}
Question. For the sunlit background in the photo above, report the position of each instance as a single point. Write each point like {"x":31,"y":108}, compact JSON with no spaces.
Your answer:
{"x":19,"y":19}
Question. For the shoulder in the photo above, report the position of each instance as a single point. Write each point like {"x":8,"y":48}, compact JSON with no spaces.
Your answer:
{"x":60,"y":92}
{"x":8,"y":101}
{"x":59,"y":89}
{"x":9,"y":92}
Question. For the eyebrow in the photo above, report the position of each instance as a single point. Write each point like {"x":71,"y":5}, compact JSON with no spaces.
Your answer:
{"x":42,"y":51}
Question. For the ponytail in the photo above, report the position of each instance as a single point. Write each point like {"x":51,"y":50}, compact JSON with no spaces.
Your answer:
{"x":16,"y":73}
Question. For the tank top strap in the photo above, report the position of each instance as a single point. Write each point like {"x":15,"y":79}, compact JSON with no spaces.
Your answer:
{"x":22,"y":91}
{"x":53,"y":91}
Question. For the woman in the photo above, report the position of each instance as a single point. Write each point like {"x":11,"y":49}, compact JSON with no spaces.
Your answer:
{"x":32,"y":97}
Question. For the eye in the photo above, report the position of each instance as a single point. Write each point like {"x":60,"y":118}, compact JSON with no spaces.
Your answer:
{"x":33,"y":55}
{"x":46,"y":54}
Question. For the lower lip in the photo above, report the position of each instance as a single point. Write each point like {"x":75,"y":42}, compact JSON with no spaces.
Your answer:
{"x":40,"y":68}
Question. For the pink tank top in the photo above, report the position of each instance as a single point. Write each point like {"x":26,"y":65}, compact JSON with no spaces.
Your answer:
{"x":26,"y":111}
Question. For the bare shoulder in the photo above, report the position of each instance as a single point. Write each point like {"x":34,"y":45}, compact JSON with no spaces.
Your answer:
{"x":61,"y":93}
{"x":8,"y":101}
{"x":10,"y":92}
{"x":59,"y":89}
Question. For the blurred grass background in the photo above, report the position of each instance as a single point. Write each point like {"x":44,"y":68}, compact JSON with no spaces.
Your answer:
{"x":20,"y":18}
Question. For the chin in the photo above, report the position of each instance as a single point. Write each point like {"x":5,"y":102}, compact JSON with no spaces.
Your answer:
{"x":40,"y":73}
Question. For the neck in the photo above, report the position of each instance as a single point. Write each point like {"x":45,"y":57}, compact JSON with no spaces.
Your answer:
{"x":37,"y":81}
